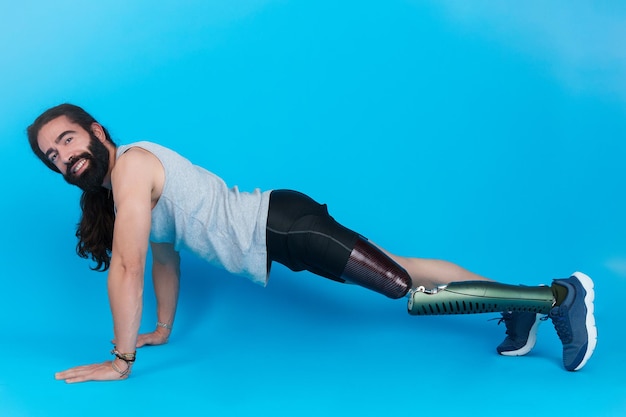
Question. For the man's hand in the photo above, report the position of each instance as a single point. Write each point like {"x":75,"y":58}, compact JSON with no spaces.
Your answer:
{"x":158,"y":337}
{"x":97,"y":372}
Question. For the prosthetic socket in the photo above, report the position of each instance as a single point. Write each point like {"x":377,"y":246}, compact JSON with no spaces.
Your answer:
{"x":369,"y":267}
{"x":470,"y":297}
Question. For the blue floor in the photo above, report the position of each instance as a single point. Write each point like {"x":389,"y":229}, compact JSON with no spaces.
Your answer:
{"x":490,"y":135}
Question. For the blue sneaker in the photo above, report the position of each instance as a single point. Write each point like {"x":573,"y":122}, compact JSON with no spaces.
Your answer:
{"x":574,"y":321}
{"x":521,"y":330}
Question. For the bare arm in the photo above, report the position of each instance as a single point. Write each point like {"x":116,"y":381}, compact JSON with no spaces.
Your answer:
{"x":125,"y":283}
{"x":133,"y":185}
{"x":166,"y":280}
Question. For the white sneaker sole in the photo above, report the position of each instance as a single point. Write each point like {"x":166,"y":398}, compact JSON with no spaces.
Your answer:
{"x":590,"y":321}
{"x":530,"y":343}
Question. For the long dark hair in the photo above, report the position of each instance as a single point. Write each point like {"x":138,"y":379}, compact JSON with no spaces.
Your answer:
{"x":95,"y":229}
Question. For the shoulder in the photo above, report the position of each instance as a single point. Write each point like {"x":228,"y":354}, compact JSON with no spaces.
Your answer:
{"x":135,"y":158}
{"x":135,"y":165}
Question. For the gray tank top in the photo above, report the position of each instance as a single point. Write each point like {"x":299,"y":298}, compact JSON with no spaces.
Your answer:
{"x":198,"y":212}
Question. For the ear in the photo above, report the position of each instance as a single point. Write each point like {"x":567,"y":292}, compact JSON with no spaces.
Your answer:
{"x":98,"y":131}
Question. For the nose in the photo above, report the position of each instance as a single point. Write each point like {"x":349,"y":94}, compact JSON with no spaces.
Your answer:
{"x":66,"y":159}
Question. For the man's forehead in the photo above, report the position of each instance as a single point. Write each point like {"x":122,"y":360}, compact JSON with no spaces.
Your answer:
{"x":51,"y":130}
{"x":59,"y":121}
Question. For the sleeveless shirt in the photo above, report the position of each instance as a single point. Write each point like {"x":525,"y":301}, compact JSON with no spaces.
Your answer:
{"x":198,"y":212}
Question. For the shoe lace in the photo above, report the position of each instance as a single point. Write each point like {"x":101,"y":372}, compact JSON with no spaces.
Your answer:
{"x":561,"y":325}
{"x":506,"y":319}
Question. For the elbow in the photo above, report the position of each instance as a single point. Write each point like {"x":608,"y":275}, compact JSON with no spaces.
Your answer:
{"x":128,"y":269}
{"x":132,"y":270}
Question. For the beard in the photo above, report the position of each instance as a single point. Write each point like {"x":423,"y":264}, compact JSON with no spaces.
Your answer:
{"x":98,"y":166}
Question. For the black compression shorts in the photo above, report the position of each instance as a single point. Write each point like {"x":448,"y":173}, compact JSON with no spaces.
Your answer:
{"x":303,"y":236}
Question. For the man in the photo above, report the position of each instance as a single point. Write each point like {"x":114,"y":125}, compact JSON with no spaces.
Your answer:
{"x":143,"y":195}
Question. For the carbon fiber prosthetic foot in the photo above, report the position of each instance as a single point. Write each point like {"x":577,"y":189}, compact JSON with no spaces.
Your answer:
{"x":472,"y":297}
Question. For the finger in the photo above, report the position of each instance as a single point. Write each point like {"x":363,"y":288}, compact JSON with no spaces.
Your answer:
{"x":76,"y":380}
{"x":81,"y":376}
{"x":96,"y":372}
{"x":72,"y":371}
{"x":141,"y":341}
{"x":68,"y":375}
{"x":77,"y":371}
{"x":149,"y":339}
{"x":145,"y":339}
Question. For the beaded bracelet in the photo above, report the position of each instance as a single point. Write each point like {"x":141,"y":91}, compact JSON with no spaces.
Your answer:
{"x":122,"y":373}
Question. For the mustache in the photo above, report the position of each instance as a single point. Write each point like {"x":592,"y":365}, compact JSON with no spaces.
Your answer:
{"x":72,"y":162}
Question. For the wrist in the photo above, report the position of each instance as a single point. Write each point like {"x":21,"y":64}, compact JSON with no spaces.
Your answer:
{"x":121,"y":367}
{"x":122,"y":362}
{"x":163,"y":334}
{"x":164,"y":325}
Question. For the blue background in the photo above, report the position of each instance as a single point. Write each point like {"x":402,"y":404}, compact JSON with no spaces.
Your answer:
{"x":490,"y":134}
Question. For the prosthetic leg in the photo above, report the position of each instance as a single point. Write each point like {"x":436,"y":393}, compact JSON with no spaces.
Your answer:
{"x":471,"y":297}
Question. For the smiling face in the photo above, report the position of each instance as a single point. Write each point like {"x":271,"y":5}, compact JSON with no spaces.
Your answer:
{"x":80,"y":156}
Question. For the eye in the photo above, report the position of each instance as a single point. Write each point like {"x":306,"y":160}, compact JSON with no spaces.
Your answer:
{"x":53,"y":157}
{"x":68,"y":140}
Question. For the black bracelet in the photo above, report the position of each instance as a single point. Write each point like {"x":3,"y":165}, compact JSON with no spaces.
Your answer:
{"x":129,"y":358}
